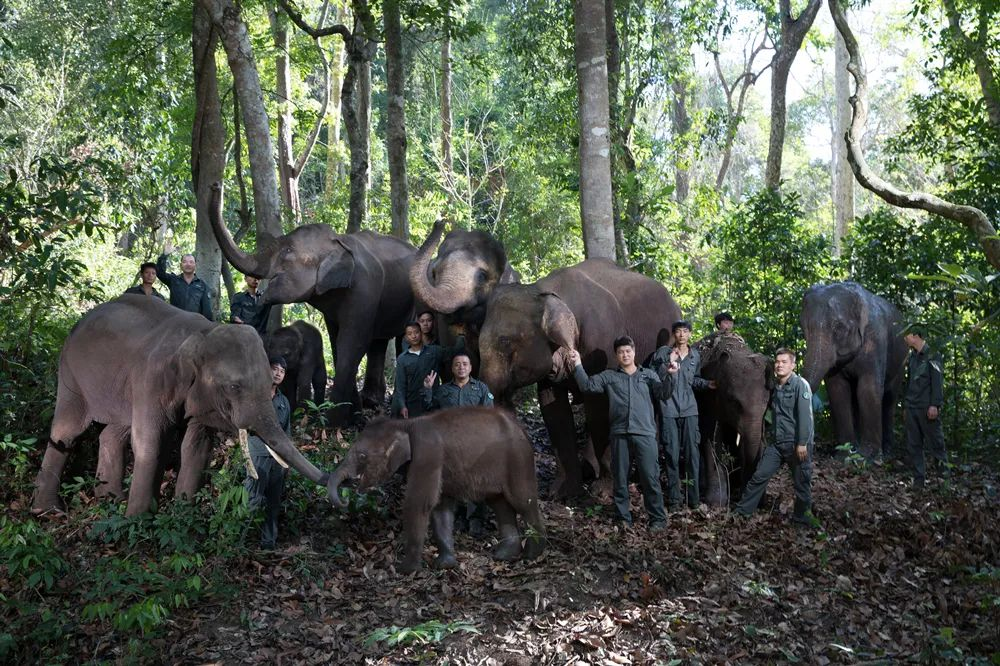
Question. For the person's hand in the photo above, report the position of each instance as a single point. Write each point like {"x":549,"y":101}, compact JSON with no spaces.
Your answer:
{"x":673,"y":367}
{"x":802,"y":451}
{"x":712,"y":384}
{"x":405,"y":413}
{"x":932,"y":413}
{"x":429,"y":379}
{"x":168,"y":247}
{"x":675,"y":357}
{"x":574,"y":358}
{"x":237,"y":320}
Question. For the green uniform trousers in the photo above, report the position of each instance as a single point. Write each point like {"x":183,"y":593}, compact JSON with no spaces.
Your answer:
{"x":265,"y":493}
{"x":648,"y":465}
{"x":921,"y":433}
{"x":677,"y":434}
{"x":770,"y":462}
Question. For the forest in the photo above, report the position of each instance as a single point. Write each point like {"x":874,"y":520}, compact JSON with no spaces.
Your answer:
{"x":733,"y":153}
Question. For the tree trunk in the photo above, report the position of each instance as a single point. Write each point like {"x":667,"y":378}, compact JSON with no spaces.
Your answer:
{"x":236,"y":41}
{"x":208,"y":149}
{"x":334,"y":165}
{"x":681,"y":124}
{"x":356,"y":104}
{"x":395,"y":134}
{"x":843,"y":179}
{"x":288,"y":181}
{"x":595,"y":147}
{"x":447,"y":163}
{"x":619,"y":134}
{"x":792,"y":34}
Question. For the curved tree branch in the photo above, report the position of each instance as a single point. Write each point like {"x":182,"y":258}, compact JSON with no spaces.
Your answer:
{"x":315,"y":33}
{"x":973,"y":218}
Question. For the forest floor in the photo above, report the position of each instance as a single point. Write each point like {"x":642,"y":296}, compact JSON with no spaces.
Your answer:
{"x":889,"y":574}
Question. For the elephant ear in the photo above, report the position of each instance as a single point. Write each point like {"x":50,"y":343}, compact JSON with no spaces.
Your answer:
{"x":180,"y":374}
{"x":336,"y":271}
{"x":768,"y":373}
{"x":398,"y":453}
{"x":558,"y":322}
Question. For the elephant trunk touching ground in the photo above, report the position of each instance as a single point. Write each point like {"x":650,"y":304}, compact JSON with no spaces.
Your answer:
{"x":456,"y":288}
{"x":258,"y":265}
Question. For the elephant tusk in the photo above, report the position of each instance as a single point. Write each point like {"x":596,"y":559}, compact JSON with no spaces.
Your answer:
{"x":276,"y":456}
{"x":245,"y":447}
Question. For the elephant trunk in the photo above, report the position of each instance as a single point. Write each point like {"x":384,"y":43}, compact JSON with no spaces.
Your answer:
{"x":282,"y":447}
{"x":453,"y":292}
{"x":819,"y":359}
{"x":256,"y":265}
{"x":343,"y":473}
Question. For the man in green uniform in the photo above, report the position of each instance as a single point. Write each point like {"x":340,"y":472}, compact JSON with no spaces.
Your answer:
{"x":246,"y":307}
{"x":461,"y":391}
{"x":924,"y":397}
{"x":631,"y":391}
{"x":412,"y":367}
{"x":679,"y":416}
{"x":265,"y":491}
{"x":187,"y":290}
{"x":145,"y":288}
{"x":791,"y":434}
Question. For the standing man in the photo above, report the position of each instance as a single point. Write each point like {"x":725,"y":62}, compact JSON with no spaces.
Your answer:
{"x":679,"y":416}
{"x":461,"y":391}
{"x":924,"y":397}
{"x":724,"y":322}
{"x":187,"y":290}
{"x":246,"y":307}
{"x":426,"y":321}
{"x":265,"y":491}
{"x":791,"y":434}
{"x":412,"y":367}
{"x":630,"y":391}
{"x":145,"y":288}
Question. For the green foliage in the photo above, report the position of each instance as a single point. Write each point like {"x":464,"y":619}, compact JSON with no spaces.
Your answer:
{"x":28,"y":553}
{"x":433,"y":631}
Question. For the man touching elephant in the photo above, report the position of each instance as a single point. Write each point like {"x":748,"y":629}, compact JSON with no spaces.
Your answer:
{"x":248,"y":307}
{"x":630,"y":391}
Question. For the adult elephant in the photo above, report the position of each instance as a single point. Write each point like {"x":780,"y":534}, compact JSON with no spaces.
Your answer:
{"x":141,"y":363}
{"x":458,"y":282}
{"x":853,"y":343}
{"x":360,"y":282}
{"x":585,"y":307}
{"x":733,"y":412}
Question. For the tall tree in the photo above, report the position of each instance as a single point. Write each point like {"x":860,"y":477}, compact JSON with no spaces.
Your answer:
{"x":791,"y":33}
{"x":334,"y":165}
{"x":843,"y":179}
{"x":208,"y":147}
{"x":396,"y":120}
{"x":595,"y":147}
{"x":447,"y":162}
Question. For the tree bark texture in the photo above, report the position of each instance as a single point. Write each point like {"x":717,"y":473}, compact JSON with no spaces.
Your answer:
{"x":447,"y":161}
{"x":288,"y":181}
{"x":595,"y":147}
{"x":208,"y":148}
{"x":619,"y":137}
{"x":793,"y":31}
{"x":843,"y":179}
{"x":236,"y":41}
{"x":974,"y":219}
{"x":396,"y":120}
{"x":334,"y":166}
{"x":681,"y":123}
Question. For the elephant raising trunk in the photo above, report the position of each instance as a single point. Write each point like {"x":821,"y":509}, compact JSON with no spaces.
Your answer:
{"x":445,"y":298}
{"x":258,"y":265}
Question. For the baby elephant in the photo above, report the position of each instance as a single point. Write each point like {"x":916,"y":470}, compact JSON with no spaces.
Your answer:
{"x":467,"y":453}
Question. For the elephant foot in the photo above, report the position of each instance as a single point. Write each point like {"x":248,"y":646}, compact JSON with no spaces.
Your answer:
{"x":508,"y":550}
{"x":408,"y":565}
{"x":533,"y":547}
{"x":445,"y":561}
{"x":603,"y":489}
{"x":47,"y":504}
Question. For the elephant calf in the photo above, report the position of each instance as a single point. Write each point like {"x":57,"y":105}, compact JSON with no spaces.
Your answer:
{"x":301,"y":345}
{"x":467,"y":453}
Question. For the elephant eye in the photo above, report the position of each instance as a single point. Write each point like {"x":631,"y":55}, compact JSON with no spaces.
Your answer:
{"x":234,"y":387}
{"x":480,"y":276}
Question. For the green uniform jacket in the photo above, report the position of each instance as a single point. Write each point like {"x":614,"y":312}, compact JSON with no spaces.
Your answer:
{"x":192,"y":297}
{"x":411,"y":369}
{"x":682,"y":403}
{"x":138,"y":290}
{"x":791,"y":412}
{"x":250,"y":310}
{"x":630,"y":397}
{"x":925,"y":379}
{"x":283,"y":411}
{"x":473,"y":394}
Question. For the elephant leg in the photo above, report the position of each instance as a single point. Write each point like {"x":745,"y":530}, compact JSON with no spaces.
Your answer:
{"x":423,"y":493}
{"x":147,"y":439}
{"x":292,"y":388}
{"x":599,"y":431}
{"x":350,"y":349}
{"x":558,"y":417}
{"x":888,"y":417}
{"x":443,"y":527}
{"x":319,"y":381}
{"x":838,"y":389}
{"x":509,"y":547}
{"x":870,"y":393}
{"x":195,"y":450}
{"x":373,"y":392}
{"x":69,"y":421}
{"x":535,"y":540}
{"x":111,"y":461}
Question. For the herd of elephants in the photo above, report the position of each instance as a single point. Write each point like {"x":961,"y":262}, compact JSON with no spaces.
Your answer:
{"x":155,"y":374}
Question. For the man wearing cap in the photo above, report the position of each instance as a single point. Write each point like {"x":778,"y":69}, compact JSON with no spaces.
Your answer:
{"x":265,"y":491}
{"x":145,"y":288}
{"x":679,"y":417}
{"x":924,"y":398}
